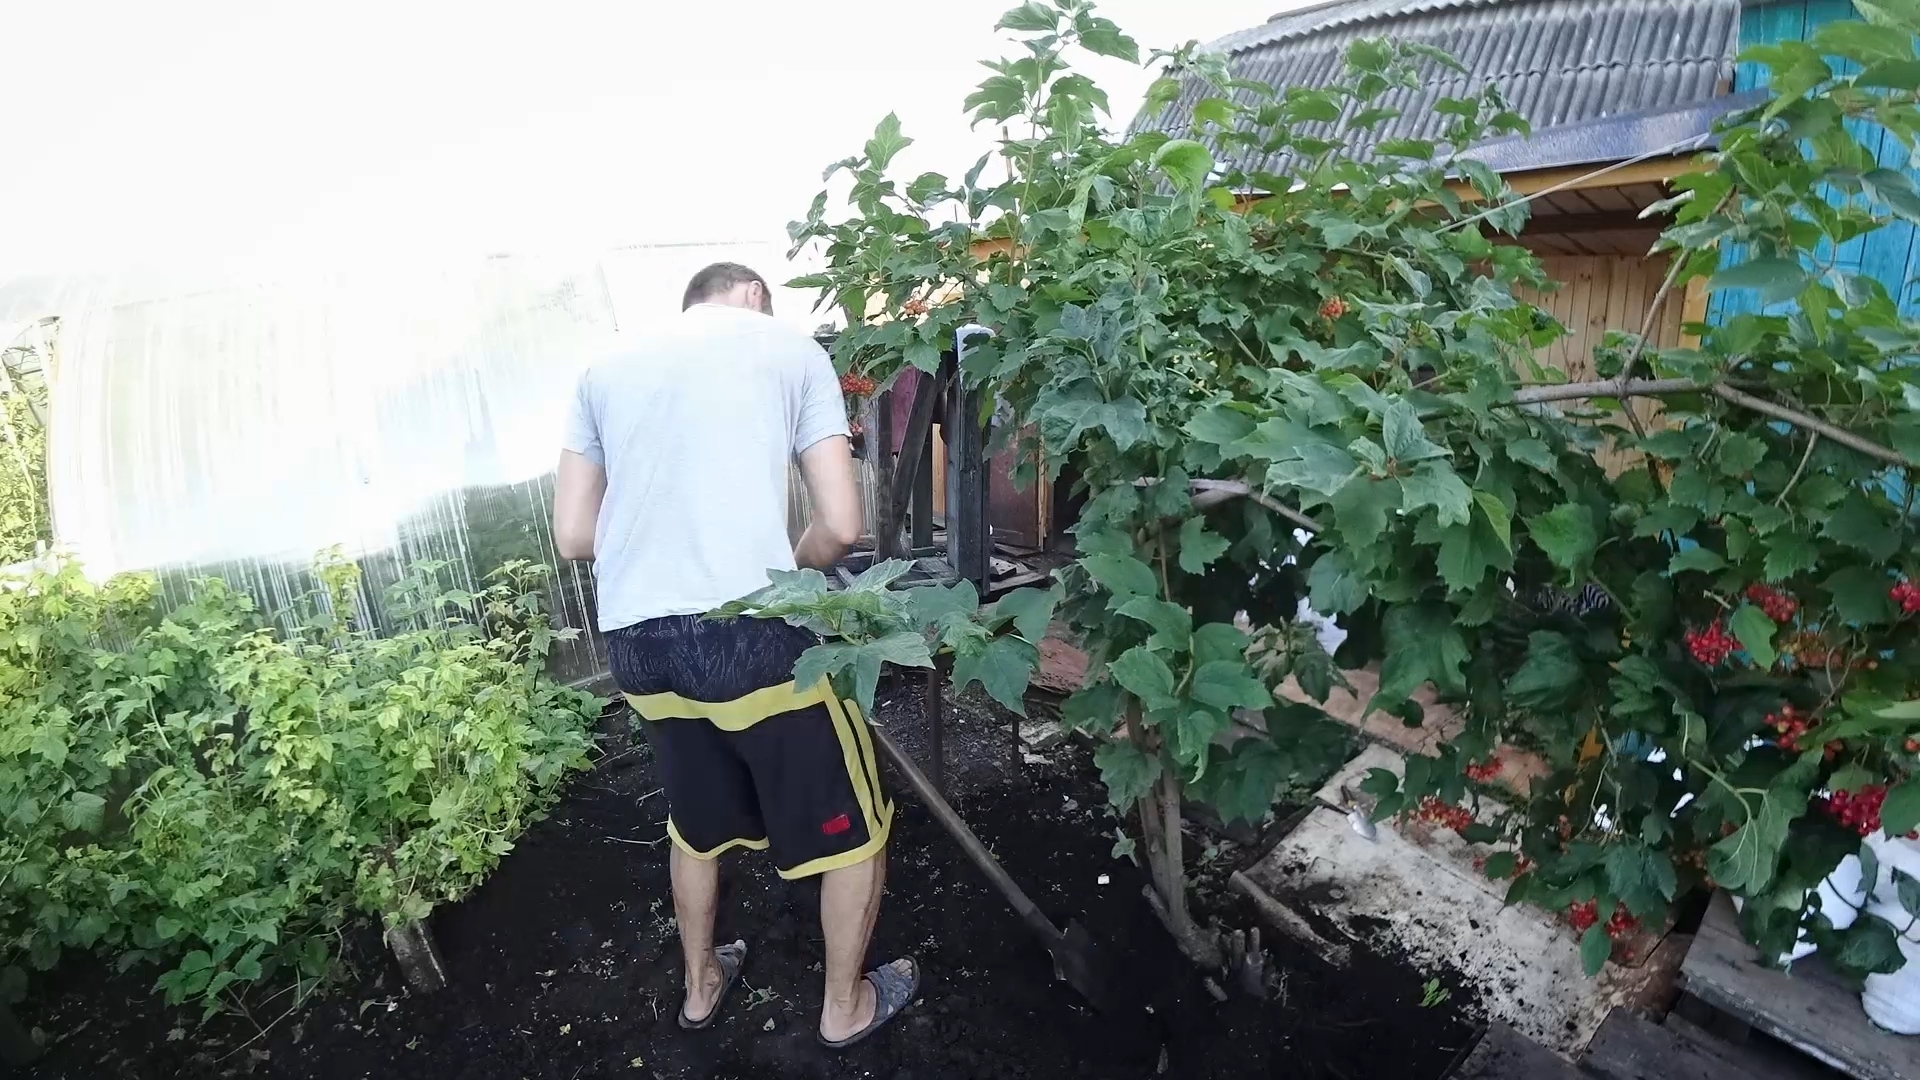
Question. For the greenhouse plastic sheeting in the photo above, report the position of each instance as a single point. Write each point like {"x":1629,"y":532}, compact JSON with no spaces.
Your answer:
{"x":405,"y":414}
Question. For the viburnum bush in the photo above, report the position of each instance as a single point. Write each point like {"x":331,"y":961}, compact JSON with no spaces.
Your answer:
{"x":180,"y":784}
{"x":1329,"y":392}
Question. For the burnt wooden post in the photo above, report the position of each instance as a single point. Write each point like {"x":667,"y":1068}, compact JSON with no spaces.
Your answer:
{"x":886,"y":516}
{"x":916,"y":454}
{"x":17,"y":1048}
{"x":969,"y":536}
{"x":413,"y":946}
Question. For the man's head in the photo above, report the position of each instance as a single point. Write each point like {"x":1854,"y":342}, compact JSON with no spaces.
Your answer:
{"x":730,"y":285}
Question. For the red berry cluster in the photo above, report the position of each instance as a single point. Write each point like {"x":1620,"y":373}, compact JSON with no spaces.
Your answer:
{"x":1446,"y":815}
{"x":1907,"y":595}
{"x":914,"y":307}
{"x":1711,"y":646}
{"x":1484,"y":771}
{"x":1582,"y":914}
{"x":1779,"y":606}
{"x":856,"y":385}
{"x":1858,"y":810}
{"x":1333,"y":308}
{"x":1790,"y":723}
{"x":1621,"y":923}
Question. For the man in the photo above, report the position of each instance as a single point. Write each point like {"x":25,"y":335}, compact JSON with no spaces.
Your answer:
{"x":673,"y":480}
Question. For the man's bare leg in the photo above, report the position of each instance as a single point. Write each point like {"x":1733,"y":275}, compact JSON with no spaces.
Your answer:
{"x":849,"y":907}
{"x":696,"y":896}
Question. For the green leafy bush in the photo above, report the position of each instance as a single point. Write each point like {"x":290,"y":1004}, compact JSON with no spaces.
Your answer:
{"x":185,"y":786}
{"x":1331,"y":393}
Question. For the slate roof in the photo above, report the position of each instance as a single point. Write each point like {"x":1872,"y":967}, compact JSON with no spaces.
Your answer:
{"x":1557,"y":62}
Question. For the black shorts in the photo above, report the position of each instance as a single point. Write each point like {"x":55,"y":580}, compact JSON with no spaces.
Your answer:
{"x":747,"y":758}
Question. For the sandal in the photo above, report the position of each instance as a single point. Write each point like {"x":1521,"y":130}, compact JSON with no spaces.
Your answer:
{"x":731,"y":959}
{"x":892,"y":993}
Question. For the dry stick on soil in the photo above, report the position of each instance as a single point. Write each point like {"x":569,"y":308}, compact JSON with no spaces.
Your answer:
{"x":1289,"y":922}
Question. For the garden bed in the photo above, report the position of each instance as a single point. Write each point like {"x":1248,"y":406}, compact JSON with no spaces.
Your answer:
{"x":564,"y":964}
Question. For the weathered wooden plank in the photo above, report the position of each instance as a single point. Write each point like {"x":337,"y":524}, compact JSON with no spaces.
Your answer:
{"x":1762,"y":1056}
{"x":1505,"y":1054}
{"x":1810,"y":1010}
{"x":1628,"y":1047}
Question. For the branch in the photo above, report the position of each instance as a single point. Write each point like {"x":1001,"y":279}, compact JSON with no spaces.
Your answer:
{"x":1213,"y":492}
{"x":1662,"y":387}
{"x":1799,"y":419}
{"x":1534,"y":395}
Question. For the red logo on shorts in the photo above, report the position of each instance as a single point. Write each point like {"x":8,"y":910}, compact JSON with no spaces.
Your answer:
{"x":837,"y":826}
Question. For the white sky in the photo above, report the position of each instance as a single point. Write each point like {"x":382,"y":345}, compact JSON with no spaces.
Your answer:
{"x":142,"y":134}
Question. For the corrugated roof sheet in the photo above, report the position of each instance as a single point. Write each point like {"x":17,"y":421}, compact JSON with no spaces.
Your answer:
{"x":1556,"y":62}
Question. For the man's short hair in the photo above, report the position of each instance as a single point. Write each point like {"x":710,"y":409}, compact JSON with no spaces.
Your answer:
{"x":717,"y":279}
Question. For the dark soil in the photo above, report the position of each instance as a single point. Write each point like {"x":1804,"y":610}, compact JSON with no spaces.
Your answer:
{"x":565,"y":964}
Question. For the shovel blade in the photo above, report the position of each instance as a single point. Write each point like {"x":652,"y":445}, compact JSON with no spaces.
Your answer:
{"x":1080,"y":963}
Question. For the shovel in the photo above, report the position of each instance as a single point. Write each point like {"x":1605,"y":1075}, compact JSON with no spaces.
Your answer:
{"x":1076,"y":960}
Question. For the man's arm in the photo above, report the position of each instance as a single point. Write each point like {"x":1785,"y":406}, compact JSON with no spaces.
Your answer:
{"x":836,"y":523}
{"x":577,"y":492}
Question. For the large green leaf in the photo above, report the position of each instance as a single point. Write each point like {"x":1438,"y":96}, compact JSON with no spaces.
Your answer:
{"x":1595,"y":948}
{"x":1857,"y":524}
{"x":1002,"y":669}
{"x":1549,"y":676}
{"x":1146,"y":676}
{"x":1198,"y":546}
{"x":1777,"y":279}
{"x":1755,"y":632}
{"x":1122,"y":575}
{"x":1229,"y":684}
{"x":1220,"y":425}
{"x":887,"y":142}
{"x":1031,"y":17}
{"x":1333,"y":586}
{"x":1127,"y":773}
{"x":1031,"y":610}
{"x":1094,"y":709}
{"x":1186,"y":162}
{"x":1900,"y":812}
{"x":1423,"y":645}
{"x":1567,"y":535}
{"x":1435,"y":484}
{"x":1745,"y":861}
{"x":1404,"y":438}
{"x":1172,"y":624}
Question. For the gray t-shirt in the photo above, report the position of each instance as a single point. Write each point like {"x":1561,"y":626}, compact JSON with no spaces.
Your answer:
{"x":696,"y":423}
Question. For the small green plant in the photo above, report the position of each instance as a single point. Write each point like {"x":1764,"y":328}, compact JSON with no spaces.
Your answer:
{"x":869,"y":624}
{"x":1433,"y":995}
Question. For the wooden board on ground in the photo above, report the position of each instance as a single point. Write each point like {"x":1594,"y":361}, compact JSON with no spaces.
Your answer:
{"x":1428,"y":903}
{"x":1628,"y":1047}
{"x":1505,"y":1054}
{"x":1811,"y":1009}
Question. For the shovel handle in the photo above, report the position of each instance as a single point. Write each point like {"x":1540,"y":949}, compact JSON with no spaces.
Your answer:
{"x":969,"y":843}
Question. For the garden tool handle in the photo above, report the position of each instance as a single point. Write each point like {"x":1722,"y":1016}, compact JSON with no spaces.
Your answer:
{"x":969,"y":843}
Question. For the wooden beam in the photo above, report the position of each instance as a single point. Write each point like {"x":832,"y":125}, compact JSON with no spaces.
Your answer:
{"x":1693,"y":310}
{"x":1581,"y":177}
{"x":1574,"y":224}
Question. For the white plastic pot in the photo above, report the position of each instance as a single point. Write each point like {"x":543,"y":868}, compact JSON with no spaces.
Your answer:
{"x":1893,"y":1001}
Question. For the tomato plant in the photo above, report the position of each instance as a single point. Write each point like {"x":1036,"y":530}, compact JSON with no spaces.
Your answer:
{"x":1329,"y":392}
{"x":183,"y":785}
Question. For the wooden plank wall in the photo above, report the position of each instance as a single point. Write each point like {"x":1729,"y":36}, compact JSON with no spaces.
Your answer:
{"x":1599,"y":293}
